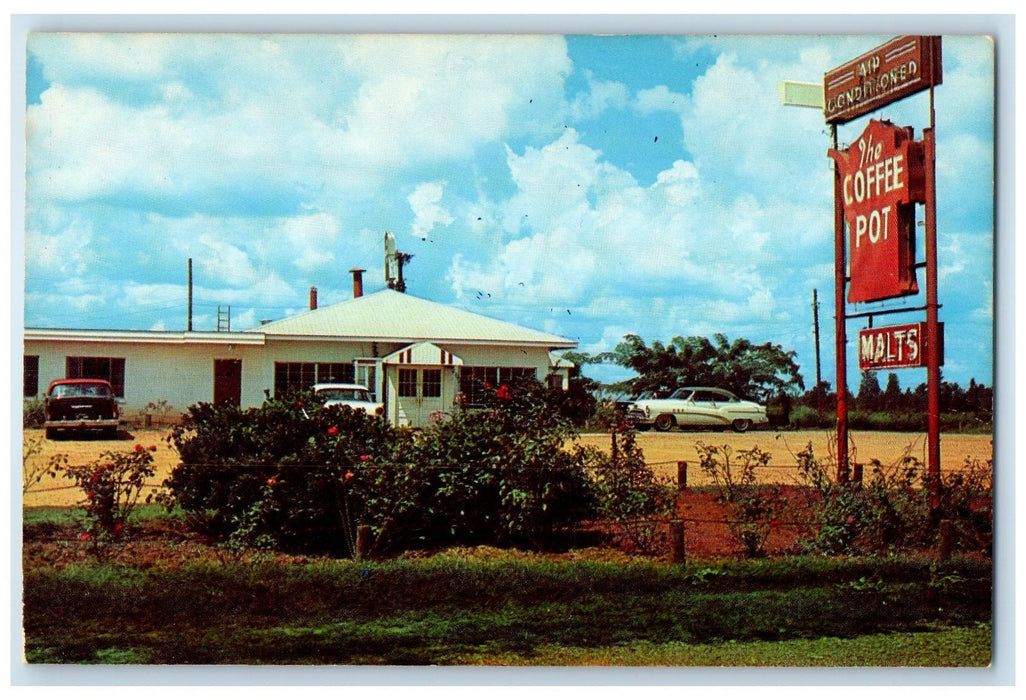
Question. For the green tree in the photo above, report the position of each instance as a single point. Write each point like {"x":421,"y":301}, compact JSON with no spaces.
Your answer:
{"x":869,"y":397}
{"x":745,"y":368}
{"x":892,"y":396}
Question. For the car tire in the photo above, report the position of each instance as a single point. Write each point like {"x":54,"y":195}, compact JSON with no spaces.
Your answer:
{"x":51,"y":434}
{"x":110,"y":433}
{"x":664,"y":422}
{"x":741,"y":425}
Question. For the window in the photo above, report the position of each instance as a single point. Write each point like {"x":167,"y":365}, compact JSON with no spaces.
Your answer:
{"x":31,"y":381}
{"x":477,"y":383}
{"x":295,"y":377}
{"x":432,"y":383}
{"x":335,"y":373}
{"x":407,"y":382}
{"x":110,"y":368}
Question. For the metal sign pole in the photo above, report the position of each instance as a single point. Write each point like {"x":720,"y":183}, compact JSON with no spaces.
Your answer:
{"x":932,"y":328}
{"x":840,"y":332}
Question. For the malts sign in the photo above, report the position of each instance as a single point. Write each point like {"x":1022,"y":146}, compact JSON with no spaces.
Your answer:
{"x":895,"y":347}
{"x":901,"y":67}
{"x":882,"y":177}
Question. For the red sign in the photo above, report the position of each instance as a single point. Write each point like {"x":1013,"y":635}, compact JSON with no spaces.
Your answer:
{"x":882,"y":177}
{"x":901,"y":67}
{"x":895,"y":347}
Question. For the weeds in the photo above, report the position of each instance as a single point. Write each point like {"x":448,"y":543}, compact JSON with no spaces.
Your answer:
{"x":32,"y":470}
{"x":631,"y":496}
{"x":753,"y":511}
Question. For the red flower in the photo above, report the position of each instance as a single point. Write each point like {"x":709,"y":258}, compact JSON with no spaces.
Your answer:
{"x":775,"y":523}
{"x":138,"y":447}
{"x":272,"y":481}
{"x":153,"y":448}
{"x":349,"y":475}
{"x":332,"y":430}
{"x":84,"y":537}
{"x":118,"y":528}
{"x":504,"y":393}
{"x":364,"y":458}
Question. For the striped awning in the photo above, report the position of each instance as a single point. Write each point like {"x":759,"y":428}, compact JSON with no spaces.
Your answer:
{"x":422,"y":354}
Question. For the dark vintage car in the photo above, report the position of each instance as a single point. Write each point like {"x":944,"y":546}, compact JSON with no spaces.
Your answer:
{"x":79,"y":405}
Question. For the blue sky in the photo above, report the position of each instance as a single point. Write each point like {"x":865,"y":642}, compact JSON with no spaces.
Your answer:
{"x":588,"y":186}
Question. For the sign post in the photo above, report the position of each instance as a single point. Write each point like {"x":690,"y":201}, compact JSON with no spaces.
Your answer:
{"x":877,"y":183}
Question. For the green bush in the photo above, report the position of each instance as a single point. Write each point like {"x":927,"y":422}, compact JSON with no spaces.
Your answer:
{"x":32,"y":413}
{"x":631,"y":496}
{"x":753,"y":511}
{"x":112,"y":486}
{"x":290,"y":473}
{"x":895,"y":510}
{"x":499,"y":476}
{"x":303,"y":477}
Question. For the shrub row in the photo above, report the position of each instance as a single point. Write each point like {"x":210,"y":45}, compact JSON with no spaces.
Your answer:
{"x":302,"y":477}
{"x":896,"y":509}
{"x":808,"y":417}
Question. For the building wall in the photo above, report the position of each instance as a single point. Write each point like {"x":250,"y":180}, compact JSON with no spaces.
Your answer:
{"x":179,"y":374}
{"x":182,"y":374}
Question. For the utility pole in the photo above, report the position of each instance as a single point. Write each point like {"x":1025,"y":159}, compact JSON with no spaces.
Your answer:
{"x":815,"y":333}
{"x":189,"y":327}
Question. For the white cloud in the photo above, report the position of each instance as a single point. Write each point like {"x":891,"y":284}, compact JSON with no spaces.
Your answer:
{"x":424,"y":201}
{"x":600,"y":96}
{"x":660,"y":99}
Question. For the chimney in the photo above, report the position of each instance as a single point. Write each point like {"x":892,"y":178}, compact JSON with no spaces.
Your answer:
{"x":313,"y":298}
{"x":357,"y":282}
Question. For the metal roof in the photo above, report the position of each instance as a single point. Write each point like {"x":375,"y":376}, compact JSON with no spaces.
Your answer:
{"x":391,"y":315}
{"x":122,"y":336}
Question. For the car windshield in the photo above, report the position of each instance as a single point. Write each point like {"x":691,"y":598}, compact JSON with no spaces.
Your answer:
{"x":343,"y":395}
{"x":69,"y":391}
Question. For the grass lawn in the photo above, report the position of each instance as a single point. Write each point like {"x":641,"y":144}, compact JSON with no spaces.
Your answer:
{"x":957,"y":646}
{"x":173,"y":604}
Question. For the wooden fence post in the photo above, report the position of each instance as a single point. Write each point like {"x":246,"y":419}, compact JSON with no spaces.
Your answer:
{"x":682,"y":476}
{"x":363,"y":541}
{"x":677,"y":554}
{"x":944,"y":547}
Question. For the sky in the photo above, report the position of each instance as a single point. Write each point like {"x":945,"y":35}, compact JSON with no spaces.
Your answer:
{"x":588,"y":186}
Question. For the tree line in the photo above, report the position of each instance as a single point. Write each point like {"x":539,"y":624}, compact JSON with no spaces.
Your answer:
{"x":768,"y":373}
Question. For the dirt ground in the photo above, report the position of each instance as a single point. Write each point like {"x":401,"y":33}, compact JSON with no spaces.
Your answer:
{"x":662,"y":450}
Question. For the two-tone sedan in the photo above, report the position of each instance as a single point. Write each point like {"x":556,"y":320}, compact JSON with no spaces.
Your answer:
{"x":697,"y":407}
{"x":80,"y":405}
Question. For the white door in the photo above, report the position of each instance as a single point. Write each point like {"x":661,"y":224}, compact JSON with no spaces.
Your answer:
{"x":419,"y":394}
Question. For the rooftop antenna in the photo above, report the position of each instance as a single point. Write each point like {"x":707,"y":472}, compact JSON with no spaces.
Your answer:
{"x":391,"y":266}
{"x":394,"y":261}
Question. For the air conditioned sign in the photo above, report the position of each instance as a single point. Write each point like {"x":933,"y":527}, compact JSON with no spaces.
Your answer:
{"x":895,"y":347}
{"x":901,"y":67}
{"x":882,"y":176}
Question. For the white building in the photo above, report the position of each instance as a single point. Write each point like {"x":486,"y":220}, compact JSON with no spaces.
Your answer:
{"x":414,"y":355}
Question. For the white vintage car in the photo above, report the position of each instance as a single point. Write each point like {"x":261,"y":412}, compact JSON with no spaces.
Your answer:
{"x":696,"y":406}
{"x":352,"y":395}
